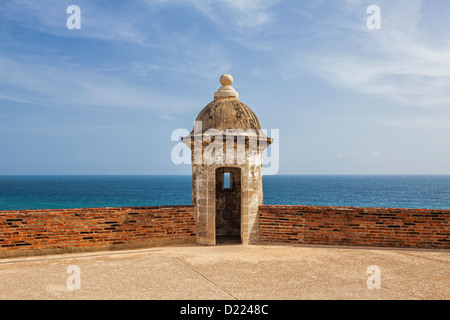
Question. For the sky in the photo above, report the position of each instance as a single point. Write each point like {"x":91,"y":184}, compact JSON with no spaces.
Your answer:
{"x":106,"y":98}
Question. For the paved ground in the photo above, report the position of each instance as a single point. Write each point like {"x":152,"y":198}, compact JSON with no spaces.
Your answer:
{"x":229,"y":272}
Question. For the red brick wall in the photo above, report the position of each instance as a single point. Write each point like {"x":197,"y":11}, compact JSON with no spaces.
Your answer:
{"x":71,"y":230}
{"x":31,"y":232}
{"x":383,"y":227}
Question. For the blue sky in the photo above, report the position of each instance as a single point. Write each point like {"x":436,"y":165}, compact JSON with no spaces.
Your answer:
{"x":105,"y":99}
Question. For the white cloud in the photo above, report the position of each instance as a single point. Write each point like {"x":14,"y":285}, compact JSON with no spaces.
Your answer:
{"x":176,"y":53}
{"x":243,"y":14}
{"x":97,"y":22}
{"x":396,"y":62}
{"x":235,"y":15}
{"x":61,"y":87}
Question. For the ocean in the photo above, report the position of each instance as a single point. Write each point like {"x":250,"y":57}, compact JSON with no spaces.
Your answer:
{"x":64,"y":192}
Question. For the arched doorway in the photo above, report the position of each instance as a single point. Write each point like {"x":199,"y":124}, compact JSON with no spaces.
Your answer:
{"x":228,"y":205}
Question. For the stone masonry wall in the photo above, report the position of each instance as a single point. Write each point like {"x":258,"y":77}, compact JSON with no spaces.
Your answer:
{"x":32,"y":232}
{"x":381,"y":227}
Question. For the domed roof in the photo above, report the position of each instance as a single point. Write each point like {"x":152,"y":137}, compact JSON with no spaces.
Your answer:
{"x":226,"y":112}
{"x":223,"y":114}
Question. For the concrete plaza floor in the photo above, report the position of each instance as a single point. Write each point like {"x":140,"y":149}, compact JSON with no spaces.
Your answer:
{"x":228,"y":272}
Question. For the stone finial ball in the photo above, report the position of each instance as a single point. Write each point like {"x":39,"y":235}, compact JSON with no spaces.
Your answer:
{"x":226,"y":80}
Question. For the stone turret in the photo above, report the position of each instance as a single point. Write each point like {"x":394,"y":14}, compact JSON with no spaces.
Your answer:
{"x":227,"y":146}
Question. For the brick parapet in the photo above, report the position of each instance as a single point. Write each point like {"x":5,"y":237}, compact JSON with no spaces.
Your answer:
{"x":32,"y":232}
{"x":380,"y":227}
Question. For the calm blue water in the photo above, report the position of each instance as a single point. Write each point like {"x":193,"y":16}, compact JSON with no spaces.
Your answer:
{"x":51,"y":192}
